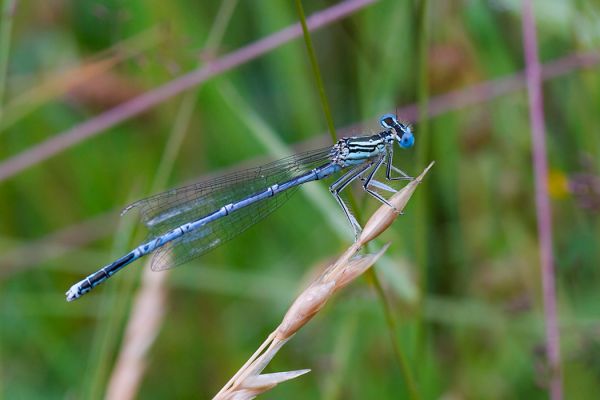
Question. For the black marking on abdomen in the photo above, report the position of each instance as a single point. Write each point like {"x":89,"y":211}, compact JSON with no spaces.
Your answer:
{"x":120,"y":263}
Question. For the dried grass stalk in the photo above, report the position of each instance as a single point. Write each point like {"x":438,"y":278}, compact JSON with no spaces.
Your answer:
{"x":248,"y":382}
{"x":147,"y":315}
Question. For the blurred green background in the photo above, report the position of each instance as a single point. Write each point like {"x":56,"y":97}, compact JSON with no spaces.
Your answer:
{"x":462,"y":272}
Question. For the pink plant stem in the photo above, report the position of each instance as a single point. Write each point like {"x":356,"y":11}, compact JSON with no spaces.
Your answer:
{"x":488,"y":90}
{"x":144,"y":102}
{"x":438,"y":105}
{"x":544,"y":220}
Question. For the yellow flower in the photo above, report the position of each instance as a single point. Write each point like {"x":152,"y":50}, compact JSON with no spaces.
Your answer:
{"x":558,"y":184}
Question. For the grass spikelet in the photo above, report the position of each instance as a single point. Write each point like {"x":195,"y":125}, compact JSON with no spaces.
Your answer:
{"x":248,"y":382}
{"x":257,"y":384}
{"x":384,"y":216}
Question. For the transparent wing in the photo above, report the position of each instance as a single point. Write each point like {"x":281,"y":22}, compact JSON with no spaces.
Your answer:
{"x":168,"y":210}
{"x":201,"y":241}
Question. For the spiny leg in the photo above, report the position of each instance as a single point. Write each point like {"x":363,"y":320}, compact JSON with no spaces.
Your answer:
{"x":389,"y":167}
{"x":369,"y":181}
{"x":340,"y":184}
{"x":388,"y":172}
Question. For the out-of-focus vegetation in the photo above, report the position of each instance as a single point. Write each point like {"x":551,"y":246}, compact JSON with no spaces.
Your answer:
{"x":478,"y":330}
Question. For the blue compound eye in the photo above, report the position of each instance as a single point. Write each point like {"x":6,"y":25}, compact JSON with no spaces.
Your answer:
{"x":407,"y":141}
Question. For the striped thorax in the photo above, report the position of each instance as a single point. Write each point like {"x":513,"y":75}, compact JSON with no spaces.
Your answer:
{"x":356,"y":150}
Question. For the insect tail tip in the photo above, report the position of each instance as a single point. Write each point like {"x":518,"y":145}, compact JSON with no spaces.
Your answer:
{"x":72,"y":294}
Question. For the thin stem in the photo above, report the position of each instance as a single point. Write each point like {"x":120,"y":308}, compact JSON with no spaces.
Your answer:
{"x":393,"y":331}
{"x":5,"y":32}
{"x":182,"y":121}
{"x":316,"y":71}
{"x":218,"y":29}
{"x":542,"y":202}
{"x":423,"y":82}
{"x":422,"y":155}
{"x":322,"y":94}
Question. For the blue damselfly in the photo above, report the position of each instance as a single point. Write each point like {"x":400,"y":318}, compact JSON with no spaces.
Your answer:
{"x":187,"y":222}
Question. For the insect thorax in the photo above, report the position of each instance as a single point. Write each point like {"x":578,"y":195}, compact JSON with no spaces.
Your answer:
{"x":355,"y":150}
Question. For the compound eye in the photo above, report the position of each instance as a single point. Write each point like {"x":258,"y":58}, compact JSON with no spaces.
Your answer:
{"x":407,"y":141}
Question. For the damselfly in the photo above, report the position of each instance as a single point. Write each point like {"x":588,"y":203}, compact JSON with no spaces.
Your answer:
{"x":187,"y":222}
